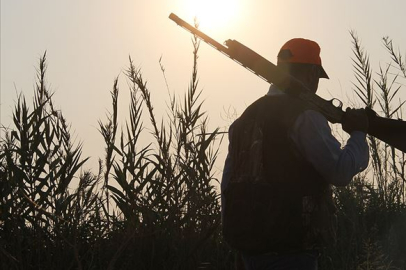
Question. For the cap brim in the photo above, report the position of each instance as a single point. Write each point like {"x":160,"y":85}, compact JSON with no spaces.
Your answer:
{"x":323,"y":73}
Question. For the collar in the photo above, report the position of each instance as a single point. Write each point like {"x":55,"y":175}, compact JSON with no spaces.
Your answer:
{"x":274,"y":91}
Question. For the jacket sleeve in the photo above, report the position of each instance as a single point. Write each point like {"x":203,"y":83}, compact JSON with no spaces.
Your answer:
{"x":312,"y":136}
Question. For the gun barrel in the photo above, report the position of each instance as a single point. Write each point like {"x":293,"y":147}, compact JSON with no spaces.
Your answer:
{"x":242,"y":55}
{"x":389,"y":131}
{"x":200,"y":34}
{"x":261,"y":67}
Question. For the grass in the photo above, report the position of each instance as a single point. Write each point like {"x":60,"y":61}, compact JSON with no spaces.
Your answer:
{"x":372,"y":208}
{"x":156,"y":206}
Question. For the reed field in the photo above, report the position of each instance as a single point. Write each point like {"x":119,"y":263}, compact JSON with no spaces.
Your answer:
{"x":156,"y":206}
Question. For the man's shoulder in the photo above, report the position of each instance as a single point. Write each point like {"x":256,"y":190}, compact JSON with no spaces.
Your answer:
{"x":280,"y":108}
{"x":313,"y":116}
{"x":271,"y":102}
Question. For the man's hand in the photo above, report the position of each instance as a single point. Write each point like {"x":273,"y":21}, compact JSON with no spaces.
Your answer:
{"x":355,"y":119}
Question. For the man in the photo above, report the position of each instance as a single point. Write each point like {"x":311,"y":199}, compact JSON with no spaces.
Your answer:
{"x":277,"y":205}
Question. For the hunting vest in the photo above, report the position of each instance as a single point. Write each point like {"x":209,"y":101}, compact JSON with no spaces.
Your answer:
{"x":275,"y":200}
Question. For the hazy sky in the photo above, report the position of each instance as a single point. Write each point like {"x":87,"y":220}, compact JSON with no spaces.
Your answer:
{"x":88,"y":44}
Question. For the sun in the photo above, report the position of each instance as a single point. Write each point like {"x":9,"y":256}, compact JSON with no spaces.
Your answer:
{"x":213,"y":14}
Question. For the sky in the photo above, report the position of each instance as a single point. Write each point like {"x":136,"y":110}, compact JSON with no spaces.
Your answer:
{"x":88,"y":44}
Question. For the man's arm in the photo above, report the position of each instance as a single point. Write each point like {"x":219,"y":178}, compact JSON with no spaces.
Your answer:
{"x":312,"y":136}
{"x":228,"y":164}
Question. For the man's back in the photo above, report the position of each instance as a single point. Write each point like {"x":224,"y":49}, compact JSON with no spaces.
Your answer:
{"x":270,"y":182}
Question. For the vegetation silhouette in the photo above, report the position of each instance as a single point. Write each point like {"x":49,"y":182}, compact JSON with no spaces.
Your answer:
{"x":156,"y":206}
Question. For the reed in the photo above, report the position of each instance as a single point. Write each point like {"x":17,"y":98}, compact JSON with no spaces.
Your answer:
{"x":156,"y":206}
{"x":372,"y":207}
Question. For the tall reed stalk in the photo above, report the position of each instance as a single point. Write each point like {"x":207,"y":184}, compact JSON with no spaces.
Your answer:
{"x":372,"y":208}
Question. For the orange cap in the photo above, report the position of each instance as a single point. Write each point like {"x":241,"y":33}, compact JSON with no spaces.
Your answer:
{"x":304,"y":51}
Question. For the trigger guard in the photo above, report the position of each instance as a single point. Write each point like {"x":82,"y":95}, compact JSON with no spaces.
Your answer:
{"x":340,"y":103}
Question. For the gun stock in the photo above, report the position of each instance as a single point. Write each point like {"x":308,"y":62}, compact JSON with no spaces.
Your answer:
{"x":390,"y":131}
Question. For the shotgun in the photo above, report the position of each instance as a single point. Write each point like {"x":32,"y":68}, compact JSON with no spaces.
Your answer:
{"x":390,"y":131}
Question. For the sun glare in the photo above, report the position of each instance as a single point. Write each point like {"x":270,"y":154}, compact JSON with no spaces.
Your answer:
{"x":213,"y":14}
